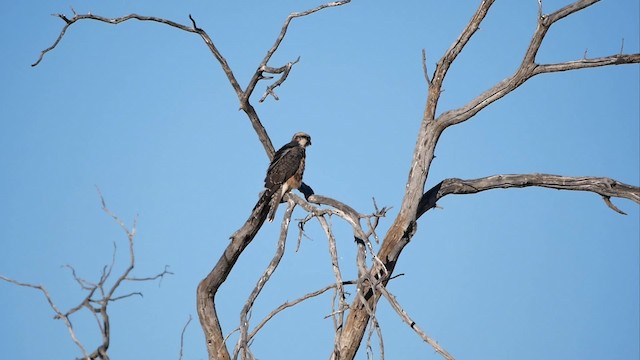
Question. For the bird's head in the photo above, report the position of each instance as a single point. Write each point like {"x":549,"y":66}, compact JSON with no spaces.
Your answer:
{"x":303,"y":139}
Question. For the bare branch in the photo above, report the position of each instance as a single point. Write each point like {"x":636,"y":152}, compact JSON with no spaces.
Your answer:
{"x":218,"y":55}
{"x":245,"y":105}
{"x":618,"y":59}
{"x":151,"y":278}
{"x":208,"y":287}
{"x":528,"y":68}
{"x":116,"y":298}
{"x":412,"y":324}
{"x":289,"y":304}
{"x":424,"y":67}
{"x":413,"y":204}
{"x":452,"y":53}
{"x":540,"y":9}
{"x":56,"y":310}
{"x":375,"y":326}
{"x":352,"y":217}
{"x":285,"y":73}
{"x":603,"y":186}
{"x":97,"y":300}
{"x":84,"y":284}
{"x":371,"y":316}
{"x":283,"y":32}
{"x":520,"y":76}
{"x":184,"y":329}
{"x":365,"y":284}
{"x":113,"y":21}
{"x":373,"y":224}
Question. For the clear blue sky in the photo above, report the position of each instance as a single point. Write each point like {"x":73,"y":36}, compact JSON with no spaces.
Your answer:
{"x":144,"y":112}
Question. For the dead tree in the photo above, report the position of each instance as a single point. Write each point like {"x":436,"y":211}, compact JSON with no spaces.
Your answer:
{"x":100,"y":295}
{"x":375,"y":264}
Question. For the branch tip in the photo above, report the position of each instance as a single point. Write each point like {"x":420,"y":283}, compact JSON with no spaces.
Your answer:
{"x":64,"y":18}
{"x":607,"y":200}
{"x":424,"y":67}
{"x":540,"y":15}
{"x":193,"y":21}
{"x":102,"y":201}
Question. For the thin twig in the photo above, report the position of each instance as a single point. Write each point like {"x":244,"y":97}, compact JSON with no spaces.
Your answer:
{"x":289,"y":304}
{"x":412,"y":324}
{"x":97,"y":299}
{"x":56,"y":310}
{"x":424,"y":67}
{"x":184,"y":329}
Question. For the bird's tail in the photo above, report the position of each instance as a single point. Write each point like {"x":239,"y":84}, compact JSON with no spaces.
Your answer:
{"x":273,"y":205}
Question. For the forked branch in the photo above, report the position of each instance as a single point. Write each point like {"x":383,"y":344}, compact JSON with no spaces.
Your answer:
{"x":99,"y":294}
{"x":529,"y":68}
{"x":415,"y":201}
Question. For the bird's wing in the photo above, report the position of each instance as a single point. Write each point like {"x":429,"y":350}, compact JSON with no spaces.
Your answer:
{"x":285,"y":163}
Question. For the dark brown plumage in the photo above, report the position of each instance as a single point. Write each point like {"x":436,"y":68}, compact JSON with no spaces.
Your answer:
{"x":286,"y":170}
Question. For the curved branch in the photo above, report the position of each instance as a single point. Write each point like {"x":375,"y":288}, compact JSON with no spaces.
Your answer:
{"x":208,"y":287}
{"x":113,"y":21}
{"x":603,"y":186}
{"x":121,"y":19}
{"x":412,"y":324}
{"x":184,"y":329}
{"x":216,"y":53}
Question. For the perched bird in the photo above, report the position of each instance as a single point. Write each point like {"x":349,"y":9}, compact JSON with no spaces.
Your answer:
{"x":285,"y":171}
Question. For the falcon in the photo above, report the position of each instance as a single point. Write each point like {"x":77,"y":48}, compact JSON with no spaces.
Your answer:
{"x":285,"y":171}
